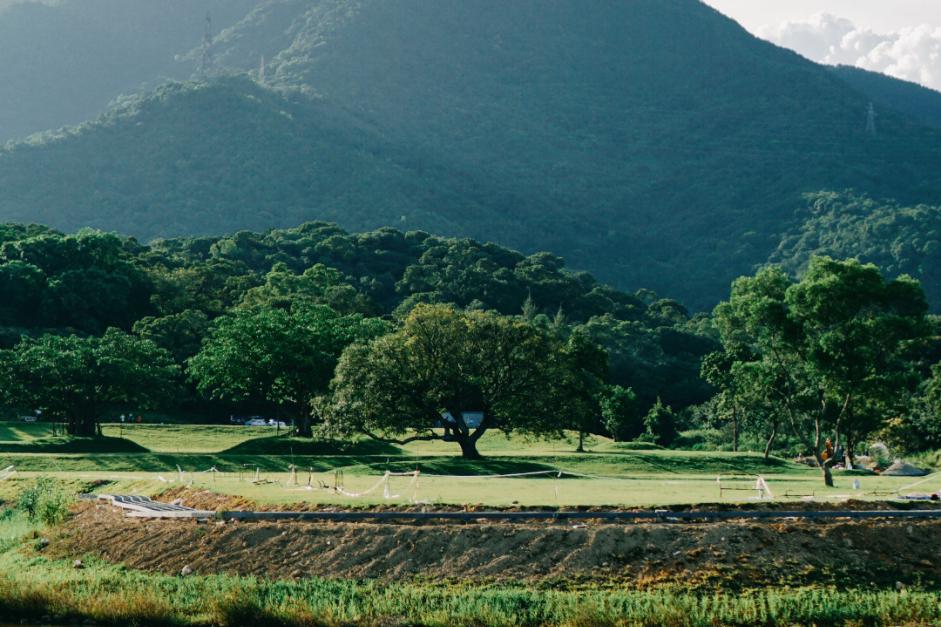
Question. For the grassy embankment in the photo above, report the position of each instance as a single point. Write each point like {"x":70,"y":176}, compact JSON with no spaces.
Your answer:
{"x":35,"y":588}
{"x":146,"y":458}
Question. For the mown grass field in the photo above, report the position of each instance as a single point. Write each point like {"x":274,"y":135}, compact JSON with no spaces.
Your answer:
{"x":150,"y":458}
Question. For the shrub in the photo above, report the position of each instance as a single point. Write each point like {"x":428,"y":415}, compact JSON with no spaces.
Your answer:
{"x":661,"y":425}
{"x":45,"y":501}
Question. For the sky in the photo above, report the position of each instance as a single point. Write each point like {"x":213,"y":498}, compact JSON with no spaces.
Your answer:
{"x":901,"y":38}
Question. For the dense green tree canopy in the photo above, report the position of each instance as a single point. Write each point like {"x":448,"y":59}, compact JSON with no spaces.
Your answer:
{"x":283,"y":356}
{"x":444,"y":364}
{"x":835,"y":350}
{"x":76,"y":379}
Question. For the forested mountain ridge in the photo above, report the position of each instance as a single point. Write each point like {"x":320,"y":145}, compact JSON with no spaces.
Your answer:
{"x":192,"y":156}
{"x":62,"y":63}
{"x":653,"y":142}
{"x":921,"y":103}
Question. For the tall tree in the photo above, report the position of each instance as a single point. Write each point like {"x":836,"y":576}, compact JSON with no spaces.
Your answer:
{"x":619,"y":412}
{"x":283,"y":356}
{"x":76,"y":379}
{"x":443,"y":361}
{"x":833,"y":351}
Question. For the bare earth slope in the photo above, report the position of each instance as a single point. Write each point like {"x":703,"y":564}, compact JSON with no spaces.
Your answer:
{"x":634,"y":555}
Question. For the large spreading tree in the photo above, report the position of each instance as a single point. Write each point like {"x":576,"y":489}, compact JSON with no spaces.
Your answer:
{"x":835,"y":351}
{"x":75,"y":379}
{"x":282,"y":356}
{"x":423,"y":381}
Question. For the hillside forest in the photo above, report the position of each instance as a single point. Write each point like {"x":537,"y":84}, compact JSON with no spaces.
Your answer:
{"x":655,"y":143}
{"x":401,"y":335}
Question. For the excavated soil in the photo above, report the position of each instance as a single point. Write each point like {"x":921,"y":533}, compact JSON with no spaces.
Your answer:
{"x":217,"y":502}
{"x":728,"y":554}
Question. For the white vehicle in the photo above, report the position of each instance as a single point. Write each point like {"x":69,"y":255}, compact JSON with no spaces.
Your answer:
{"x":258,"y":421}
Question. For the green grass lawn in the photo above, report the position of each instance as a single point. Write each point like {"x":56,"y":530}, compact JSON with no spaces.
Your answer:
{"x":147,"y":459}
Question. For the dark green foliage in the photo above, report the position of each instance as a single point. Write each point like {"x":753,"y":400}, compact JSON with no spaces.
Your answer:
{"x":281,"y":356}
{"x":174,"y":289}
{"x":660,"y":424}
{"x":899,"y":239}
{"x":578,"y":131}
{"x":919,"y":429}
{"x":619,"y":413}
{"x":87,"y":282}
{"x":75,"y":379}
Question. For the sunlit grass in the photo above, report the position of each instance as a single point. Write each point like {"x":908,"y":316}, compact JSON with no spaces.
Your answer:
{"x":32,"y":587}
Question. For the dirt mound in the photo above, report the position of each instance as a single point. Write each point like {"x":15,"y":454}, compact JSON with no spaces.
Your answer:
{"x":214,"y":501}
{"x":630,"y":555}
{"x":903,"y":469}
{"x":205,"y":499}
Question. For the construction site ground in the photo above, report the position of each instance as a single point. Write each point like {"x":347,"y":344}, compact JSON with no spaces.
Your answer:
{"x":737,"y":554}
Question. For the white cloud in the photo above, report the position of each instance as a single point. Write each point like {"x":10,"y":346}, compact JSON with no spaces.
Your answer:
{"x":912,"y":54}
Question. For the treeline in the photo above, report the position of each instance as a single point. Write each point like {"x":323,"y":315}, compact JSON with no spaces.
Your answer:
{"x":403,"y":336}
{"x":299,"y":296}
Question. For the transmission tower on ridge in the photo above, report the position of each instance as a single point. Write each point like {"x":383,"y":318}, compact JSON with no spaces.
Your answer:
{"x":206,"y":60}
{"x":871,"y":120}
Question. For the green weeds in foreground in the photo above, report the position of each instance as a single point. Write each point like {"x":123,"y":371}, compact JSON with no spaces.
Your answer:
{"x":46,"y":501}
{"x":34,"y":588}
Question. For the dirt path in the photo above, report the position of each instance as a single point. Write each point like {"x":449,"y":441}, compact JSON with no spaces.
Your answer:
{"x":635,"y":555}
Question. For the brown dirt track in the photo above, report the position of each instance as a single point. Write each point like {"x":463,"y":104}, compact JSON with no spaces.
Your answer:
{"x":743,"y":554}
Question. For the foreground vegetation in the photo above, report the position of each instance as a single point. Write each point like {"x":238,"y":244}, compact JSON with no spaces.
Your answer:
{"x":35,"y":588}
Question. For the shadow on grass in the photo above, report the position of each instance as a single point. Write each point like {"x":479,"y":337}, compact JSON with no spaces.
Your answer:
{"x":466,"y":467}
{"x":679,"y":462}
{"x":614,"y":447}
{"x":285,"y":445}
{"x":67,"y":445}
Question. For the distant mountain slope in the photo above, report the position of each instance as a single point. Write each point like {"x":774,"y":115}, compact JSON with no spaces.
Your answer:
{"x":193,"y":156}
{"x":62,"y":63}
{"x":921,"y":103}
{"x":653,"y":142}
{"x":898,"y":239}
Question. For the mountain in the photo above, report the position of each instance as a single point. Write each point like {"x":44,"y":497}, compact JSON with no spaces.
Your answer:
{"x":653,"y":142}
{"x":192,"y":156}
{"x":912,"y":99}
{"x":62,"y":63}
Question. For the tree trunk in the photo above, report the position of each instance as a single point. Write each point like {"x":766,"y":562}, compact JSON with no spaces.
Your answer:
{"x":82,"y":428}
{"x":302,"y":426}
{"x":825,"y":467}
{"x":469,"y":448}
{"x":848,"y":454}
{"x":581,"y":442}
{"x":770,"y":443}
{"x":734,"y":429}
{"x":818,"y":453}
